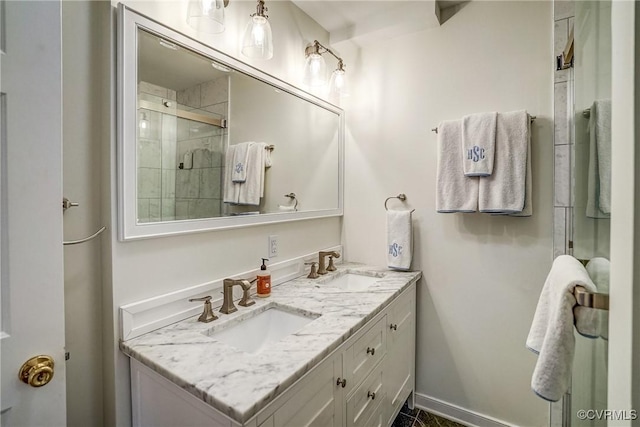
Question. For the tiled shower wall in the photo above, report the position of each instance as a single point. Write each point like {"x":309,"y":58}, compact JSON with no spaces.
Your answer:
{"x":167,"y":192}
{"x":198,"y":189}
{"x":564,"y":14}
{"x":156,"y":157}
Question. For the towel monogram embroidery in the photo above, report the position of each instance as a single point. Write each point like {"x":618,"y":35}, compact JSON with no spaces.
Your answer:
{"x":475,"y":153}
{"x":395,"y":250}
{"x":239,"y":168}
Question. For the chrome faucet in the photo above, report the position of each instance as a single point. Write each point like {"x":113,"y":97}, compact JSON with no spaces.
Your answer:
{"x":227,"y":286}
{"x":321,"y":267}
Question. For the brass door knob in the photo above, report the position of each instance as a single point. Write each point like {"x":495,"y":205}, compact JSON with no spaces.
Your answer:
{"x":37,"y":371}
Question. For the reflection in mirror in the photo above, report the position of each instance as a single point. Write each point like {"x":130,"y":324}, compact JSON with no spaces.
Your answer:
{"x":592,"y":129}
{"x":208,"y":142}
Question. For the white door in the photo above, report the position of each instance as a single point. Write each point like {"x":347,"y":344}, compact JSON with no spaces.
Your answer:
{"x":31,"y":255}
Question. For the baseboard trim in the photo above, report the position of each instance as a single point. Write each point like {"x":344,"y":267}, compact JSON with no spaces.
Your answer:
{"x":456,"y":413}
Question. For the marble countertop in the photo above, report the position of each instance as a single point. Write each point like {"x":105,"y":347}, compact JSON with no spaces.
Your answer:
{"x":240,"y":384}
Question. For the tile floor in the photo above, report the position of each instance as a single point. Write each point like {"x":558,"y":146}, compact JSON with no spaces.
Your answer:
{"x":419,"y":418}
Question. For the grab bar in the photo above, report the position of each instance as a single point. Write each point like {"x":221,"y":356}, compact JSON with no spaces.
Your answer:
{"x":86,"y":239}
{"x":585,"y":298}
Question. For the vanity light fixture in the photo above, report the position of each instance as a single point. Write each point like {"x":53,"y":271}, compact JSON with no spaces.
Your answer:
{"x":257,"y":42}
{"x":315,"y":70}
{"x":207,"y":16}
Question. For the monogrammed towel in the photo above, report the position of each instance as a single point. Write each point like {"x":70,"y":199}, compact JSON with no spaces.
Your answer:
{"x":399,"y":240}
{"x":478,"y":143}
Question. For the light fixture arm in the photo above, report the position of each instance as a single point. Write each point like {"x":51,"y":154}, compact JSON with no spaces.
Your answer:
{"x":260,"y":9}
{"x":319,"y":49}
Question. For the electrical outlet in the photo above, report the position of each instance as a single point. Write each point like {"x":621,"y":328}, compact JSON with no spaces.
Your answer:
{"x":273,"y":246}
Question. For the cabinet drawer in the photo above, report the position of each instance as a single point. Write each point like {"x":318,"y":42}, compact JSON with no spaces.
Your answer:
{"x":359,"y":359}
{"x":400,"y":316}
{"x":366,"y":398}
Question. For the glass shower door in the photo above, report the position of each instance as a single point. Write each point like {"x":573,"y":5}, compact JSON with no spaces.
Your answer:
{"x":591,"y":200}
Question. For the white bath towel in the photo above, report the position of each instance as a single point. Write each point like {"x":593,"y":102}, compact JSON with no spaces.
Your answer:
{"x":551,"y":335}
{"x":504,"y":191}
{"x":527,"y":210}
{"x":240,"y":159}
{"x":253,"y":188}
{"x":454,"y":191}
{"x":231,"y":190}
{"x":399,"y":240}
{"x":478,"y":143}
{"x":599,"y":269}
{"x":599,"y":169}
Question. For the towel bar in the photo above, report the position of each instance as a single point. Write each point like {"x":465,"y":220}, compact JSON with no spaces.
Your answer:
{"x":591,"y":299}
{"x":531,"y":119}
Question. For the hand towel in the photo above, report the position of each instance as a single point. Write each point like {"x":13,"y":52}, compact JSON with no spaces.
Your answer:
{"x":551,"y":335}
{"x":231,"y":190}
{"x":504,"y":191}
{"x":527,"y":210}
{"x":599,"y":169}
{"x":478,"y":143}
{"x":454,"y":191}
{"x":399,"y":240}
{"x":240,"y":159}
{"x":268,"y":162}
{"x":599,"y":269}
{"x":253,"y":188}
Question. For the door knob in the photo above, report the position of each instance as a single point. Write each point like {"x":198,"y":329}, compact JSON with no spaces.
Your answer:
{"x":37,"y":371}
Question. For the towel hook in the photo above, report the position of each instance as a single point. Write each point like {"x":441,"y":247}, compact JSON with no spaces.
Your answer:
{"x":292,"y":196}
{"x":402,"y":197}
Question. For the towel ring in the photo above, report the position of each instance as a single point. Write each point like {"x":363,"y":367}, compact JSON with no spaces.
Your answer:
{"x":402,"y":197}
{"x":292,"y":196}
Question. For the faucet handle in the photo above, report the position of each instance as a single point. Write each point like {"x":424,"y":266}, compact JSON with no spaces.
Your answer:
{"x":313,"y":274}
{"x":207,"y":315}
{"x":246,"y":300}
{"x":331,"y":266}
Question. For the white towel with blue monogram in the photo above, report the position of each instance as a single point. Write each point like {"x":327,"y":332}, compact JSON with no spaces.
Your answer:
{"x":478,"y":143}
{"x":240,"y":159}
{"x":399,"y":240}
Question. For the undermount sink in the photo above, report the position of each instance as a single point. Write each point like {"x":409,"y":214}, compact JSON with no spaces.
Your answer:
{"x":254,"y":334}
{"x":353,"y":282}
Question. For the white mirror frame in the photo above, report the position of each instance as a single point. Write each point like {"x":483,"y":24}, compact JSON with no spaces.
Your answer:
{"x":129,"y":229}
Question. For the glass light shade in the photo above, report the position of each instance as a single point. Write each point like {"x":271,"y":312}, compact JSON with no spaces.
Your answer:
{"x":257,"y":42}
{"x":315,"y":70}
{"x":206,"y":16}
{"x":338,"y":84}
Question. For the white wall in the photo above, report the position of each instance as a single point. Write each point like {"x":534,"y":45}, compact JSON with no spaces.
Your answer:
{"x":82,"y":76}
{"x":482,"y":274}
{"x":142,"y":269}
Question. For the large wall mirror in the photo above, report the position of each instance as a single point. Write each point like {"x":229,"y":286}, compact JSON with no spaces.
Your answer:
{"x":207,"y":142}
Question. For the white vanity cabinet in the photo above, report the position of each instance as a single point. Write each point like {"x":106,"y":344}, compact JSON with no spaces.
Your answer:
{"x":362,"y":383}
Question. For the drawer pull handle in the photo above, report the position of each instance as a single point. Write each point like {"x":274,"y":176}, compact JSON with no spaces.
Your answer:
{"x":342,"y":382}
{"x":394,"y":327}
{"x":371,"y":351}
{"x":372,"y":395}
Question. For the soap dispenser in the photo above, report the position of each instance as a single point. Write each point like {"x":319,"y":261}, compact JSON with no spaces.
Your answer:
{"x":264,"y":280}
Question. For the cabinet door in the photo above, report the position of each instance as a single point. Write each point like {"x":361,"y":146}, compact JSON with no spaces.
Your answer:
{"x":400,"y":367}
{"x":319,"y":403}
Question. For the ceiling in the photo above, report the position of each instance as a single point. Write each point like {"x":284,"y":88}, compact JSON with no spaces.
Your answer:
{"x":366,"y":21}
